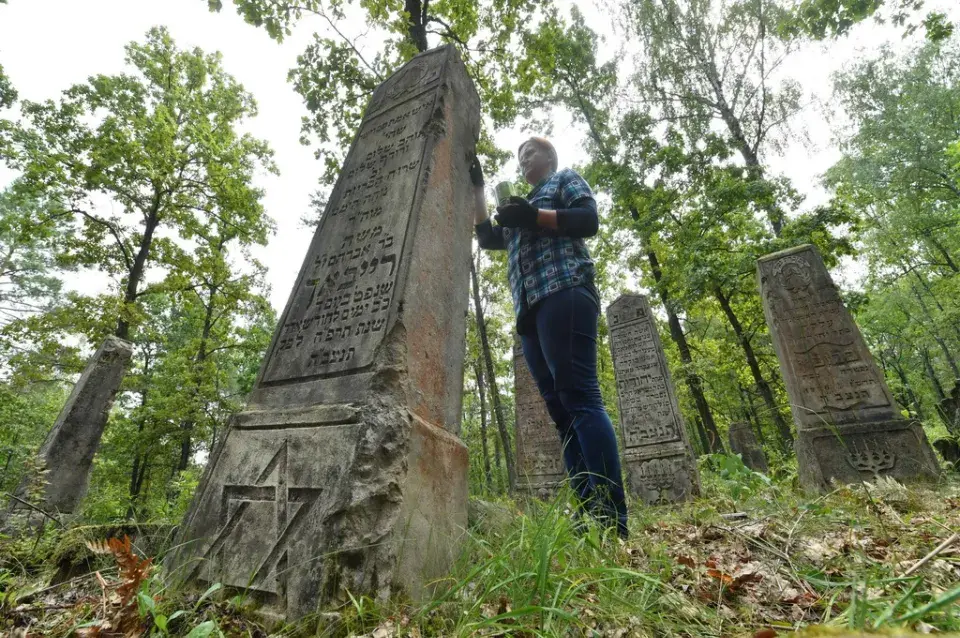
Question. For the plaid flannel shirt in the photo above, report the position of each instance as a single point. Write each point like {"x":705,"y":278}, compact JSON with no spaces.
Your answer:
{"x":541,"y":262}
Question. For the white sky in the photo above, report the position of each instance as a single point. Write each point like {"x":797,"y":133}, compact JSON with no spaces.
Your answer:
{"x":48,"y":45}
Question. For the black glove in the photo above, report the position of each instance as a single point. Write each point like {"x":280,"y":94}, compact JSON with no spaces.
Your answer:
{"x":517,"y":213}
{"x":476,"y":172}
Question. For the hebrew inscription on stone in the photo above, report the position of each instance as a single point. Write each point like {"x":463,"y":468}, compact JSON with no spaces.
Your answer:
{"x":344,"y":472}
{"x":848,"y":425}
{"x":657,"y":455}
{"x":539,"y":454}
{"x":342,"y":302}
{"x":832,"y":373}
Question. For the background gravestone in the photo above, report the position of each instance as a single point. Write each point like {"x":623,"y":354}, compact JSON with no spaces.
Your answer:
{"x":67,"y":452}
{"x":848,"y":425}
{"x":540,"y":469}
{"x":659,"y":462}
{"x":744,"y":442}
{"x":345,"y":472}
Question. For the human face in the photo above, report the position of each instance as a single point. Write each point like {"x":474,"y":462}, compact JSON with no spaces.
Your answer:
{"x":535,"y":162}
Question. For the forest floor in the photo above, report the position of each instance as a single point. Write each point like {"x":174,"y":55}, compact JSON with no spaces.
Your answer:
{"x":750,"y":557}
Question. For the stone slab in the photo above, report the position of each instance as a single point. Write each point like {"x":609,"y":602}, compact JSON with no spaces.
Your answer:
{"x":67,"y":452}
{"x":540,"y":470}
{"x":345,"y":472}
{"x":837,"y":393}
{"x":743,"y":441}
{"x":659,"y":461}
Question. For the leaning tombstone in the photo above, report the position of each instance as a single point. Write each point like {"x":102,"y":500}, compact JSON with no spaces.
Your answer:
{"x":61,"y":474}
{"x":659,"y":461}
{"x":345,"y":473}
{"x":744,"y":442}
{"x":540,"y":470}
{"x":848,"y":425}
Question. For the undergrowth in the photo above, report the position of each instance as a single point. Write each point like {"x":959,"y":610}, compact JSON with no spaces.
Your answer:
{"x":752,"y":556}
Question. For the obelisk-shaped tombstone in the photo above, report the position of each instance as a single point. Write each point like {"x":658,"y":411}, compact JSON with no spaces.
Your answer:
{"x":67,"y":453}
{"x":659,"y":462}
{"x":848,"y":425}
{"x":345,"y":472}
{"x":540,"y":469}
{"x":744,"y":442}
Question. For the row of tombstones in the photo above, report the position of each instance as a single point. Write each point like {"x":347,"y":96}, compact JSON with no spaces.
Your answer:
{"x":848,"y":424}
{"x":346,"y":473}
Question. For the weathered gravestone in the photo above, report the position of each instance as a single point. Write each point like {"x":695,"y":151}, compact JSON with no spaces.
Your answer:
{"x":67,"y":453}
{"x":540,"y":469}
{"x":848,"y":425}
{"x":659,"y":462}
{"x":345,"y":472}
{"x":744,"y":442}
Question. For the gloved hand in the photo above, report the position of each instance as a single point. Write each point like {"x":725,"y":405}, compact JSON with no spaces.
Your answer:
{"x":476,"y":172}
{"x":517,"y":213}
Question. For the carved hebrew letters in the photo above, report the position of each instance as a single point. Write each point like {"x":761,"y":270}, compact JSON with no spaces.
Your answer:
{"x":342,"y":303}
{"x":360,"y":391}
{"x":657,"y":456}
{"x":539,"y":455}
{"x":845,"y":415}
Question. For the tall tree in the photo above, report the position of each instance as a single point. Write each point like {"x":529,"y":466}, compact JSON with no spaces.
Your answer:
{"x":709,"y":61}
{"x":161,"y":145}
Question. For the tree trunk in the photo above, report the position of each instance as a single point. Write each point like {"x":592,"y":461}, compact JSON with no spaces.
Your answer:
{"x":498,"y":463}
{"x":786,"y":438}
{"x":704,"y":441}
{"x":907,"y":388}
{"x":936,"y":337}
{"x":187,"y":426}
{"x":6,"y":466}
{"x":139,"y":264}
{"x":693,"y":380}
{"x":492,"y":376}
{"x":416,"y":24}
{"x":136,"y":472}
{"x":487,"y":472}
{"x":945,"y":254}
{"x":936,"y":301}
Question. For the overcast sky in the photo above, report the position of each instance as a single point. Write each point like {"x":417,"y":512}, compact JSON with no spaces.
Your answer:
{"x":48,"y":45}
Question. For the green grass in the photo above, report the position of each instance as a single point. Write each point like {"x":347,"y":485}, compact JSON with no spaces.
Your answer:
{"x":835,"y":562}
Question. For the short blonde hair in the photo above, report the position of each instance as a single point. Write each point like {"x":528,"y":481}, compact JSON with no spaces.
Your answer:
{"x":545,"y":144}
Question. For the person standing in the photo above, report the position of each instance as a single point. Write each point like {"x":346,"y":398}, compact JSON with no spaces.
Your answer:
{"x":557,"y":307}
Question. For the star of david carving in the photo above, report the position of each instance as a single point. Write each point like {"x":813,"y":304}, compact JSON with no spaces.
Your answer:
{"x":245,"y":504}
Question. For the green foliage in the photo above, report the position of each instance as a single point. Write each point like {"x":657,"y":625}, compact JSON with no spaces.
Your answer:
{"x":898,"y":171}
{"x":735,"y":478}
{"x":337,"y":75}
{"x":8,"y":94}
{"x":145,"y":178}
{"x":161,"y":144}
{"x":823,"y":19}
{"x":27,"y":411}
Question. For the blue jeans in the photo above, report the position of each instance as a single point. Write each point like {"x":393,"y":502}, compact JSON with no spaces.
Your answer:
{"x":560,"y":346}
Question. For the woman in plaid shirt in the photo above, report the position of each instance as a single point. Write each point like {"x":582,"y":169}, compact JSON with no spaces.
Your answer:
{"x":557,"y":306}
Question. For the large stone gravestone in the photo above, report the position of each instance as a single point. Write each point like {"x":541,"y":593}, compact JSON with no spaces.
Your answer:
{"x":659,"y":462}
{"x":744,"y":442}
{"x":67,"y":453}
{"x":345,"y":472}
{"x":540,"y":468}
{"x":848,"y":425}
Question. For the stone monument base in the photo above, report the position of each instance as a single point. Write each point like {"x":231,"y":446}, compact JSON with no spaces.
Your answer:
{"x":543,"y":488}
{"x":305,"y":504}
{"x":657,"y":478}
{"x":864,"y":451}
